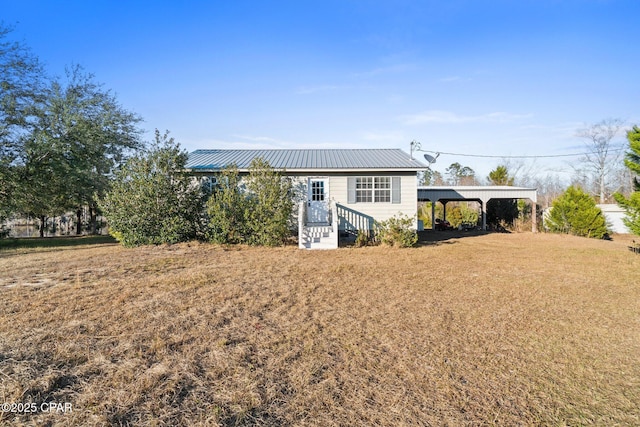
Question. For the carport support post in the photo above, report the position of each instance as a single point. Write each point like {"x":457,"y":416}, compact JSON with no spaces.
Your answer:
{"x":444,"y":210}
{"x":433,"y":214}
{"x":534,"y":217}
{"x":483,"y":208}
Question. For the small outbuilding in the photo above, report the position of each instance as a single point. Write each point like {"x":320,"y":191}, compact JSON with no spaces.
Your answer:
{"x":614,"y":215}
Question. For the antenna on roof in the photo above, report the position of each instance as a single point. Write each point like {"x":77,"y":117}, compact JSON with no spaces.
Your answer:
{"x":416,"y":146}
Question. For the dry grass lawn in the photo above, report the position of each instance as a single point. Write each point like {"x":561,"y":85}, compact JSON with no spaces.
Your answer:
{"x":498,"y":329}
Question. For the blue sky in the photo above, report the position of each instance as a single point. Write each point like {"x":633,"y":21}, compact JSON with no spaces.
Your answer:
{"x":495,"y":77}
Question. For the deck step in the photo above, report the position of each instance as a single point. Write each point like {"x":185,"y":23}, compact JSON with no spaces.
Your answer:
{"x":318,"y":237}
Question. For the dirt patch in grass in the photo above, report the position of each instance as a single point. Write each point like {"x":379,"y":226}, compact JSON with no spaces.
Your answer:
{"x":507,"y":329}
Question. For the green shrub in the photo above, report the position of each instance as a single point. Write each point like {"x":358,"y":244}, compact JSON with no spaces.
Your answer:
{"x":424,"y":213}
{"x":631,"y":204}
{"x":152,"y":200}
{"x":256,"y":210}
{"x":458,"y":213}
{"x":363,"y":238}
{"x":270,"y":205}
{"x":396,"y":231}
{"x":454,"y":215}
{"x":575,"y":212}
{"x":227,"y":209}
{"x":469,"y":215}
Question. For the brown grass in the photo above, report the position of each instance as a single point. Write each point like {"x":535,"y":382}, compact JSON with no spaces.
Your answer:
{"x":501,"y":329}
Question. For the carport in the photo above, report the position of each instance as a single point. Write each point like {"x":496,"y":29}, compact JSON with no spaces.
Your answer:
{"x":481,"y":194}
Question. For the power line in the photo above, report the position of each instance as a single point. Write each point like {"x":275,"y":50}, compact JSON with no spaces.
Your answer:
{"x":519,"y":157}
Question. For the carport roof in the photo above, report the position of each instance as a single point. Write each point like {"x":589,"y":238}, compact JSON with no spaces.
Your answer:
{"x":483,"y":193}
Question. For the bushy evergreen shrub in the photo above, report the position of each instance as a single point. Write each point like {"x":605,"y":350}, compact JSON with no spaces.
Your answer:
{"x":575,"y":212}
{"x":152,"y":200}
{"x":396,"y":231}
{"x":363,"y":238}
{"x":227,"y":209}
{"x":270,"y":205}
{"x":631,"y":204}
{"x":256,"y":210}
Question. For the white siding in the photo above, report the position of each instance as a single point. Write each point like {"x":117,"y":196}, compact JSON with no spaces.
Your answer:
{"x":614,"y":215}
{"x":378,"y":211}
{"x":362,"y":215}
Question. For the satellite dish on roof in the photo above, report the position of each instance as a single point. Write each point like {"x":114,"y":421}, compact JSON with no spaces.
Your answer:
{"x":429,"y":158}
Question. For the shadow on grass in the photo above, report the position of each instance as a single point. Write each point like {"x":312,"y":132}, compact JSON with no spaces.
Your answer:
{"x":432,"y":237}
{"x":54,"y":242}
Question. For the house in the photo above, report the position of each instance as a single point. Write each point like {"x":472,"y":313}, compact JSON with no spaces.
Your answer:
{"x":342,"y":190}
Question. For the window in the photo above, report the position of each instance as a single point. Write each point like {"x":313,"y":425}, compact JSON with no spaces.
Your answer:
{"x":208,"y":183}
{"x":374,"y":189}
{"x":317,"y":191}
{"x":382,"y":189}
{"x":363,"y":190}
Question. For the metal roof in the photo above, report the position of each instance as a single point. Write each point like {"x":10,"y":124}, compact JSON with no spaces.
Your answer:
{"x":472,"y":192}
{"x":307,"y":160}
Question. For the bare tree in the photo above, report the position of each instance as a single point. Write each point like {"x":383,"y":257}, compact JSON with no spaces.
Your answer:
{"x":524,"y":173}
{"x":549,"y":187}
{"x":601,"y":158}
{"x":438,"y":179}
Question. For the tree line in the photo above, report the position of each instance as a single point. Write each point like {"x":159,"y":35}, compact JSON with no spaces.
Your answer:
{"x":575,"y":211}
{"x":61,"y":139}
{"x":67,"y":145}
{"x":605,"y":173}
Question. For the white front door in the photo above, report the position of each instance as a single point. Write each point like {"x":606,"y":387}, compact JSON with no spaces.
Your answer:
{"x":318,"y":200}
